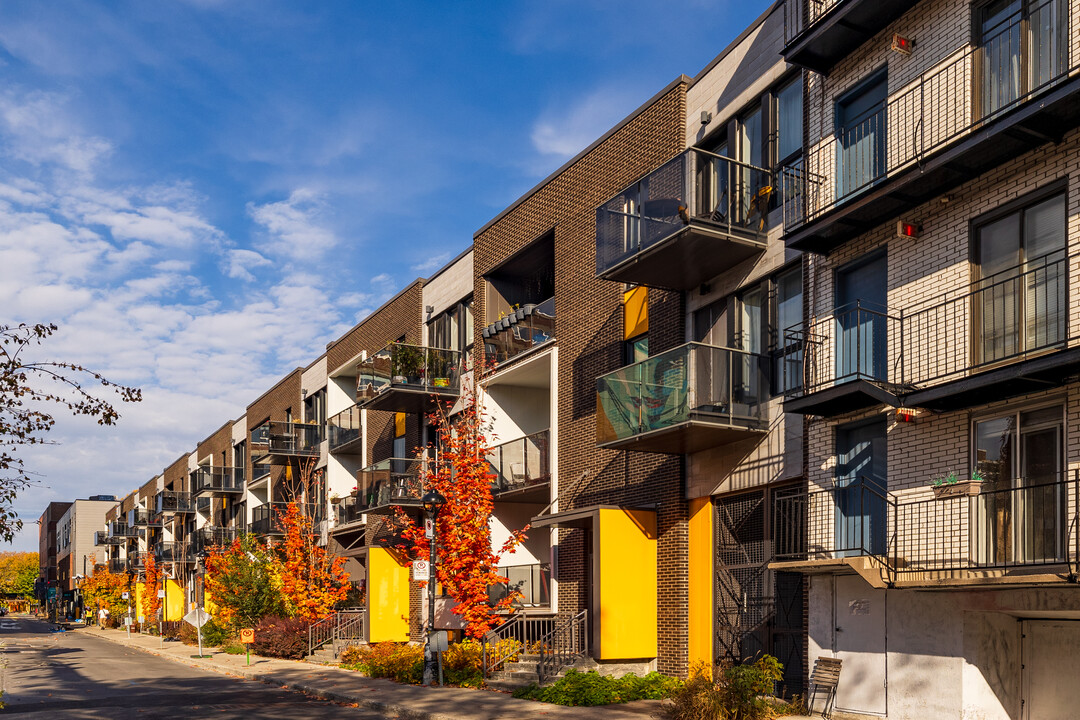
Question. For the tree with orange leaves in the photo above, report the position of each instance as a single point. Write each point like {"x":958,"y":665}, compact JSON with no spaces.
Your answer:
{"x":312,"y":582}
{"x":466,"y":564}
{"x":151,"y":603}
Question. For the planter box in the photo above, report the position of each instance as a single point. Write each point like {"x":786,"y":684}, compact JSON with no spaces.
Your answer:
{"x":961,"y":488}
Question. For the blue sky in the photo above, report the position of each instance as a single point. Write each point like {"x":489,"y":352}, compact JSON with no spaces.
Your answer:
{"x":202,"y":193}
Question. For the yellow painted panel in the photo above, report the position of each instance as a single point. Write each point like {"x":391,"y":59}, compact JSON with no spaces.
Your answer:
{"x":700,"y":581}
{"x":388,"y":597}
{"x":635,"y":312}
{"x":174,"y":601}
{"x":626,"y":555}
{"x":139,"y":589}
{"x":399,"y":424}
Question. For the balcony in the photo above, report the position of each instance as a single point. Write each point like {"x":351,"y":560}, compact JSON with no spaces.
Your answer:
{"x":173,"y":551}
{"x":136,"y":560}
{"x":687,"y":399}
{"x":173,"y":502}
{"x":1021,"y":528}
{"x":347,"y":511}
{"x":266,"y":519}
{"x":217,"y":481}
{"x":394,"y":482}
{"x":120,"y":530}
{"x":408,"y":378}
{"x":118,"y":565}
{"x":276,"y":442}
{"x":208,"y":537}
{"x":138,"y":517}
{"x":344,"y":432}
{"x":694,"y":217}
{"x":522,"y":468}
{"x":260,"y":474}
{"x":101,"y":538}
{"x":820,"y":33}
{"x":522,"y":330}
{"x":1002,"y":336}
{"x":977,"y":109}
{"x":845,"y":362}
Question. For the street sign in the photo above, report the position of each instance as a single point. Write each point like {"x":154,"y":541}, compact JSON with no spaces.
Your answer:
{"x":421,"y":571}
{"x":127,"y":621}
{"x":197,"y":617}
{"x":440,"y":641}
{"x":429,"y":528}
{"x":247,"y":635}
{"x":125,"y":596}
{"x":161,"y":593}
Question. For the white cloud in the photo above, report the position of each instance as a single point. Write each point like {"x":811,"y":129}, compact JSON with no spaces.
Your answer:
{"x":432,"y":264}
{"x":240,"y":262}
{"x":567,"y":130}
{"x":39,"y":129}
{"x":295,"y":227}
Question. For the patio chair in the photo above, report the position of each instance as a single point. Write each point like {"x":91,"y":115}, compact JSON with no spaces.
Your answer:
{"x":824,"y":679}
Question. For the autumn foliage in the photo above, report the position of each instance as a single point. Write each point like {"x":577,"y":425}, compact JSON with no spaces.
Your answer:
{"x":243,"y":582}
{"x":466,"y":564}
{"x":107,"y":589}
{"x":311,"y":582}
{"x":150,"y":602}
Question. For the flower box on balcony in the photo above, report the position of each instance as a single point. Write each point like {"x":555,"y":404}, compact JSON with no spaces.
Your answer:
{"x":950,"y":486}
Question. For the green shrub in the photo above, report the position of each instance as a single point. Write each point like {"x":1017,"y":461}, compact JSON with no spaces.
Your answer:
{"x":214,"y":635}
{"x":592,"y":688}
{"x":281,"y":638}
{"x":740,"y":692}
{"x":463,"y":664}
{"x":231,"y":647}
{"x":398,"y":662}
{"x":350,"y":656}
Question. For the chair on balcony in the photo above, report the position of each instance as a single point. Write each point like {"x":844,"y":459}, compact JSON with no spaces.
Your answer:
{"x":824,"y":679}
{"x":517,"y":474}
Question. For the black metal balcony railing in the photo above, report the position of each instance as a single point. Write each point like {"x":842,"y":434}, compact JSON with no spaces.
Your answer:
{"x":344,"y":430}
{"x":136,"y":560}
{"x":348,"y":510}
{"x":120,"y":529}
{"x":713,"y":393}
{"x":391,"y":482}
{"x":209,"y":537}
{"x":532,"y":582}
{"x":173,"y":551}
{"x":802,"y":14}
{"x":523,"y":329}
{"x":170,"y":502}
{"x":138,"y":517}
{"x":520,"y":463}
{"x":102,"y":537}
{"x":1019,"y":523}
{"x":693,"y":217}
{"x":285,"y":438}
{"x":427,"y":370}
{"x":972,"y":87}
{"x":217,"y":480}
{"x":266,"y":519}
{"x":118,"y":565}
{"x":1004,"y":318}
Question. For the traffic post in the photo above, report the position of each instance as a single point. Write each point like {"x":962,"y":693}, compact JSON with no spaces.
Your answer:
{"x":247,"y":637}
{"x":197,"y":618}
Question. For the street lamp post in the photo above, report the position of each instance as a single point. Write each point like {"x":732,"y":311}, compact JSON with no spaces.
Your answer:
{"x":433,"y":502}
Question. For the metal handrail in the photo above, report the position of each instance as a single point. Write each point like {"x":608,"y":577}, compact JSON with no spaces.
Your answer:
{"x":341,"y":625}
{"x":566,"y":643}
{"x":519,"y":634}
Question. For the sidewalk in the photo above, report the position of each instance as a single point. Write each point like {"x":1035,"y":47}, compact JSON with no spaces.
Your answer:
{"x":404,"y":701}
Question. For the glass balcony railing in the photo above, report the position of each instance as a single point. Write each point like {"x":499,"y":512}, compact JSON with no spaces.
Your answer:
{"x":343,"y":430}
{"x":520,"y":463}
{"x":208,"y":537}
{"x":170,"y":502}
{"x":425,"y":370}
{"x":138,"y":517}
{"x":348,"y":510}
{"x":136,"y":560}
{"x":520,"y":331}
{"x":172,"y":551}
{"x":102,"y":537}
{"x":217,"y":480}
{"x":118,"y":565}
{"x":686,"y":399}
{"x":120,"y":529}
{"x":259,"y":472}
{"x":692,"y":218}
{"x":391,"y":482}
{"x":266,"y":519}
{"x":286,"y":438}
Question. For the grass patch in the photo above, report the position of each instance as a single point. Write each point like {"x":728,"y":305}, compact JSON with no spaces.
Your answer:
{"x":592,"y":688}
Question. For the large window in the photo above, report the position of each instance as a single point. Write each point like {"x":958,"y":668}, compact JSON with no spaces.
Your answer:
{"x":1022,"y":280}
{"x":861,"y":128}
{"x":453,"y":328}
{"x":1022,"y":47}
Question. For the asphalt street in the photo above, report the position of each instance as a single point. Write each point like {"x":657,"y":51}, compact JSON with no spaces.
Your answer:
{"x":76,"y":675}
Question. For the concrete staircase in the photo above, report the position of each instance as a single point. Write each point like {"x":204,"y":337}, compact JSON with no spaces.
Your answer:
{"x":323,"y":656}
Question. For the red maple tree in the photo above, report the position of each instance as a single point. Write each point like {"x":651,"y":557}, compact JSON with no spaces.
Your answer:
{"x":466,"y":564}
{"x":151,"y":603}
{"x":312,"y":582}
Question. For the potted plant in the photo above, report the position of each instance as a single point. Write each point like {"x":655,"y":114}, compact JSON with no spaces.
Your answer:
{"x":408,"y":364}
{"x":950,"y":485}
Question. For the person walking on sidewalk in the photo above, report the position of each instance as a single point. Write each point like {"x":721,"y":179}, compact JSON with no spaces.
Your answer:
{"x":103,"y":615}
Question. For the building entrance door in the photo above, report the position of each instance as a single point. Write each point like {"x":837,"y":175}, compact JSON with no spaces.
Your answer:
{"x":859,"y":641}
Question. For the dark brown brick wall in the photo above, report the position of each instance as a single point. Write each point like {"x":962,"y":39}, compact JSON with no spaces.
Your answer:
{"x":272,"y":406}
{"x":589,"y":336}
{"x":220,"y":441}
{"x":176,"y":475}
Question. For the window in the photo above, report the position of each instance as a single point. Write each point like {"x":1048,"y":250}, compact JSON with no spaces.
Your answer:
{"x":315,"y":408}
{"x":787,"y":352}
{"x":636,"y":349}
{"x":1021,"y":510}
{"x":1022,"y":47}
{"x":453,"y":328}
{"x":789,"y":122}
{"x":1021,"y":285}
{"x":860,"y":129}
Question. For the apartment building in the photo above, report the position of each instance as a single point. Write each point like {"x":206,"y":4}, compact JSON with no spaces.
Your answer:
{"x":47,"y":537}
{"x":936,"y":363}
{"x":76,"y":548}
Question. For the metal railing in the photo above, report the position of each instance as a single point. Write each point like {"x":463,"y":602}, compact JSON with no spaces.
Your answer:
{"x":120,"y":529}
{"x":136,"y":560}
{"x":696,"y":187}
{"x":520,"y":463}
{"x":389,"y":482}
{"x":522,"y":330}
{"x":348,"y":510}
{"x":343,"y":428}
{"x":567,"y":643}
{"x":137,"y":517}
{"x":412,"y":367}
{"x":266,"y":519}
{"x":801,"y":15}
{"x":172,"y":551}
{"x":1017,"y":523}
{"x":217,"y":479}
{"x":102,"y":537}
{"x":174,"y":501}
{"x":286,"y":438}
{"x":698,"y":381}
{"x":343,"y":626}
{"x":1006,"y":317}
{"x":964,"y":92}
{"x":519,"y":635}
{"x":208,"y":537}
